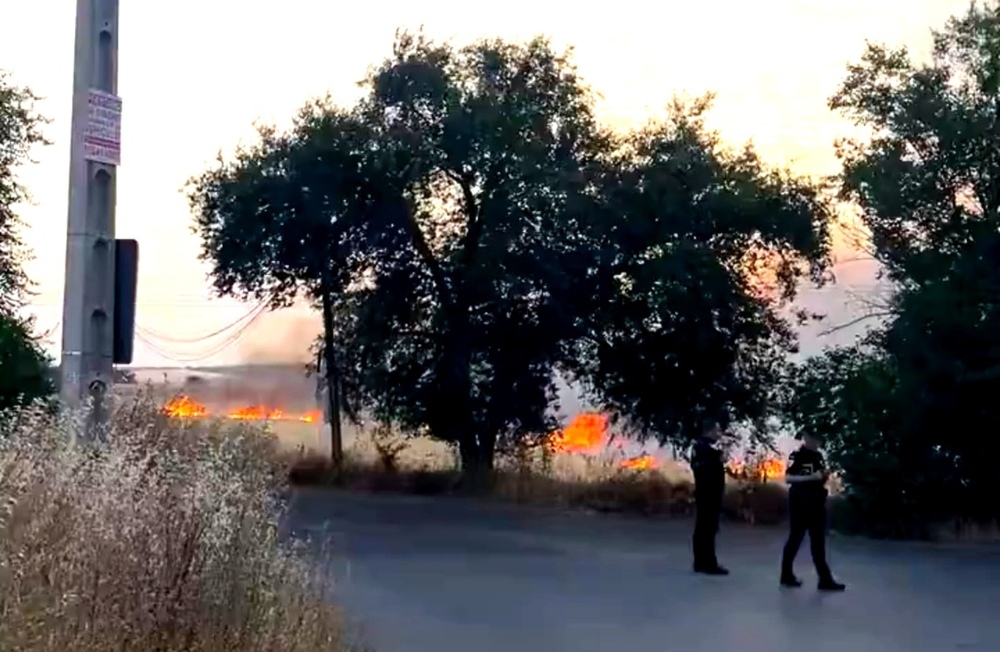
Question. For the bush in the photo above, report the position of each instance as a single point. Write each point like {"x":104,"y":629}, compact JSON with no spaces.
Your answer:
{"x":165,"y":539}
{"x":25,"y":376}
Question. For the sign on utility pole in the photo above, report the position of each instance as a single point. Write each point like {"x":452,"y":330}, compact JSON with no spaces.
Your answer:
{"x":95,"y":152}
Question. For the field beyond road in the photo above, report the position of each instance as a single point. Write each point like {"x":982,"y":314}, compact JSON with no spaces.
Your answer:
{"x":451,"y":575}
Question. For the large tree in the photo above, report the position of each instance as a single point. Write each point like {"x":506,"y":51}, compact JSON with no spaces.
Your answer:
{"x":461,"y":330}
{"x":702,"y":249}
{"x":24,"y":376}
{"x":927,"y":181}
{"x":20,"y":132}
{"x":284,"y":218}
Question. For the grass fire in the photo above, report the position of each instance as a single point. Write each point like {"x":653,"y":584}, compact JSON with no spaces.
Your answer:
{"x":185,"y":407}
{"x":588,"y":432}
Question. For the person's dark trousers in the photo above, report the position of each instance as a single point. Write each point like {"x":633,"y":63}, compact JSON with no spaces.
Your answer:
{"x":706,"y":526}
{"x":807,"y":518}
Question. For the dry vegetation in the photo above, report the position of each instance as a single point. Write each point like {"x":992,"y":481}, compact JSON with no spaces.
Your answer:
{"x":379,"y":463}
{"x":166,"y":539}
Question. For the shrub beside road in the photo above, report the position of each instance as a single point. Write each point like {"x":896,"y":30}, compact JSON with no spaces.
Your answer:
{"x":167,"y":539}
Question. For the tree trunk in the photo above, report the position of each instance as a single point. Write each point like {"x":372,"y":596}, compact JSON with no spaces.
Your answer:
{"x":477,"y":455}
{"x":457,"y":391}
{"x":332,"y":378}
{"x":468,"y":453}
{"x":475,"y":474}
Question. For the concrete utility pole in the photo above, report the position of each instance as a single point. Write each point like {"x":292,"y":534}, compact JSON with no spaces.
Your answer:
{"x":95,"y":151}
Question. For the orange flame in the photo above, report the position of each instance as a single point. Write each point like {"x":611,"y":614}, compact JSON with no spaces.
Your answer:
{"x":760,"y":470}
{"x":256,"y":413}
{"x":311,"y":417}
{"x":184,"y":407}
{"x":643,"y":462}
{"x":585,"y":432}
{"x":589,"y":430}
{"x":772,"y":468}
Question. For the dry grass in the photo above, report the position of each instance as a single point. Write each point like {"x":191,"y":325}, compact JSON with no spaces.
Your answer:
{"x":595,"y":483}
{"x":165,"y":539}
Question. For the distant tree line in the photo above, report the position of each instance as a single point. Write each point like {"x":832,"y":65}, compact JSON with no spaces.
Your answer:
{"x":469,"y":230}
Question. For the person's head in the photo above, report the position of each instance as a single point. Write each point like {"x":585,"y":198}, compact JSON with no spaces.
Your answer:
{"x":812,"y":442}
{"x":712,"y":430}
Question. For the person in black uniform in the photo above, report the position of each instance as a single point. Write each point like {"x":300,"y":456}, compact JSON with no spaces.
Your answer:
{"x":709,"y":487}
{"x":806,"y":477}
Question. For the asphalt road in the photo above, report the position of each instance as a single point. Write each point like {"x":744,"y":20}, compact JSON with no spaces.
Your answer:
{"x":444,"y":575}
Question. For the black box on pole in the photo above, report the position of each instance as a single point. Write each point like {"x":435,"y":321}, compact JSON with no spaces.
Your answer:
{"x":126,"y":282}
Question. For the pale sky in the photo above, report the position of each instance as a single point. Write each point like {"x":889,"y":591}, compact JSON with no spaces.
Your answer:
{"x":196,"y":74}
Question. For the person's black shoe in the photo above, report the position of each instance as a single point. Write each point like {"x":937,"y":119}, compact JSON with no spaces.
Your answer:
{"x":831,"y":585}
{"x":790,"y":581}
{"x":711,"y":570}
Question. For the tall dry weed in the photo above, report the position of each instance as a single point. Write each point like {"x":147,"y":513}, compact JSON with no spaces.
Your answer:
{"x":165,"y":538}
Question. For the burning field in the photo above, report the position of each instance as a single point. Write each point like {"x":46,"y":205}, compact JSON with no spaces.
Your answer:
{"x":185,"y":407}
{"x":294,"y":429}
{"x":589,"y":467}
{"x":586,"y":435}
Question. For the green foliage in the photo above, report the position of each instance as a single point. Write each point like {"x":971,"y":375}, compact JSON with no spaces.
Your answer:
{"x":927,"y":179}
{"x":20,"y":131}
{"x":282,"y":217}
{"x":473,"y":231}
{"x":24,"y":375}
{"x":460,"y":331}
{"x":855,"y":400}
{"x":289,"y":216}
{"x":25,"y":365}
{"x":913,"y":417}
{"x":702,"y":248}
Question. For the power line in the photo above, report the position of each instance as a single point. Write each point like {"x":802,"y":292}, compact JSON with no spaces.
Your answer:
{"x":252,"y":314}
{"x":175,"y":357}
{"x":204,"y":355}
{"x":240,"y":328}
{"x":163,"y":345}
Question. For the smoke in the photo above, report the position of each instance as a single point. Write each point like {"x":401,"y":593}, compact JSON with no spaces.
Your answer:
{"x":283,"y":337}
